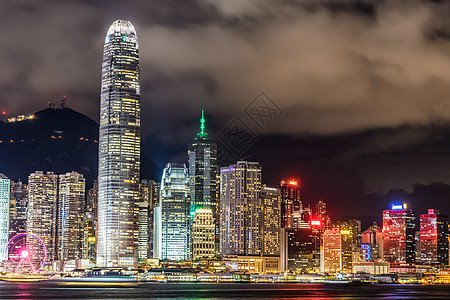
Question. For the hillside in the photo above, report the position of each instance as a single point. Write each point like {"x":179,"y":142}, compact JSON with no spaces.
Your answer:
{"x":59,"y":140}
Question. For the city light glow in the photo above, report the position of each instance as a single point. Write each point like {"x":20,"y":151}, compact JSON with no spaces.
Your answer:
{"x":315,"y":223}
{"x":24,"y":254}
{"x":293,"y":182}
{"x":396,"y":206}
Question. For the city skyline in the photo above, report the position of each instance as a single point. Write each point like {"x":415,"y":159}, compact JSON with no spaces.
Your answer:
{"x":283,"y":184}
{"x":194,"y":79}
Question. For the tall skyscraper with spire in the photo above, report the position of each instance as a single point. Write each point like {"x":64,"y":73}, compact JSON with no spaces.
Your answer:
{"x":203,"y":180}
{"x":119,"y":148}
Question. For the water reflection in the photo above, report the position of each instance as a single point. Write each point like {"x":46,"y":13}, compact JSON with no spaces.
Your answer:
{"x":72,"y":290}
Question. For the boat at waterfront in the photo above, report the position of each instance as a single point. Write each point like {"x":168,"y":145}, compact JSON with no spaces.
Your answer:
{"x":22,"y":278}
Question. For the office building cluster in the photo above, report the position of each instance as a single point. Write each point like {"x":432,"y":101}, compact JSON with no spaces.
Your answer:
{"x":199,"y":211}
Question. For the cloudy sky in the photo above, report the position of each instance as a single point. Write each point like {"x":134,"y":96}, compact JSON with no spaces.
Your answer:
{"x":333,"y":67}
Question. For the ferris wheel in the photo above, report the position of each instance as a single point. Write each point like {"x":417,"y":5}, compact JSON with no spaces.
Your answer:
{"x":25,"y":253}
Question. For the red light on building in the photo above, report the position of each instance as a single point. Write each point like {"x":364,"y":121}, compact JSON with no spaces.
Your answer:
{"x":293,"y":182}
{"x":315,"y":223}
{"x":3,"y":112}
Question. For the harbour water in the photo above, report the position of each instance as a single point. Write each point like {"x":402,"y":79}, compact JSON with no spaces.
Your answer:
{"x":149,"y":290}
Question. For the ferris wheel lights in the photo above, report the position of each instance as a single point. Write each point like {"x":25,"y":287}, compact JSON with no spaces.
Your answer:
{"x":24,"y":254}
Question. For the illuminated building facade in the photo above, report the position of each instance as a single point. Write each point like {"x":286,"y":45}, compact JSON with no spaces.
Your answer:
{"x":301,"y":218}
{"x":271,"y":221}
{"x":203,"y":234}
{"x":371,"y":243}
{"x":300,"y":250}
{"x":174,"y":213}
{"x":434,"y":238}
{"x":19,"y":197}
{"x":70,"y":216}
{"x":354,"y":226}
{"x":240,"y":209}
{"x":92,"y":199}
{"x":5,"y":189}
{"x":89,"y":236}
{"x":148,"y":199}
{"x":202,"y":154}
{"x":321,"y":214}
{"x":42,"y":209}
{"x":332,"y":259}
{"x":90,"y":223}
{"x":253,"y":264}
{"x":119,"y":148}
{"x":290,"y":201}
{"x":398,"y":234}
{"x":18,"y":208}
{"x":337,"y":250}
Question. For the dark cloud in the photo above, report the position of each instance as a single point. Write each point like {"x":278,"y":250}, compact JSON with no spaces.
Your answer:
{"x":332,"y":66}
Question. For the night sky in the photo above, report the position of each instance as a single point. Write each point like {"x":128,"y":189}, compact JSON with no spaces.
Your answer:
{"x":362,"y":88}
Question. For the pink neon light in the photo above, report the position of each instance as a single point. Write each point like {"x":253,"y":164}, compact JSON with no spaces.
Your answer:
{"x":24,"y":254}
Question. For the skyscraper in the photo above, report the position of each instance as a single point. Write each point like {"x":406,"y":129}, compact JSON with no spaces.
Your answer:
{"x":202,"y":154}
{"x":149,"y":197}
{"x":173,"y":214}
{"x":4,"y":214}
{"x":332,"y":248}
{"x":42,"y":209}
{"x":271,"y":220}
{"x":337,"y":250}
{"x":240,"y":209}
{"x":19,"y":192}
{"x":203,"y":234}
{"x":297,"y":250}
{"x":90,"y":223}
{"x":321,"y":214}
{"x":70,"y":216}
{"x":290,"y":201}
{"x":398,"y":234}
{"x":434,"y":238}
{"x":119,"y":148}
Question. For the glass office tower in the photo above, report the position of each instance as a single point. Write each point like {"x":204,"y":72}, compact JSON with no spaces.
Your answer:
{"x":203,"y":179}
{"x":398,"y":234}
{"x":434,"y":238}
{"x":173,"y":214}
{"x":119,"y":148}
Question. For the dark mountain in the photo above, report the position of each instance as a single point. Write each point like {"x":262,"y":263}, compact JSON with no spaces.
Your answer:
{"x":58,"y":140}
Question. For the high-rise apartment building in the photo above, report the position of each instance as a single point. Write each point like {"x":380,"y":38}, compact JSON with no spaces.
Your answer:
{"x":290,"y":200}
{"x":42,"y":209}
{"x":434,"y":238}
{"x":5,"y":188}
{"x":70,"y":216}
{"x":240,"y":209}
{"x":203,"y":234}
{"x":18,"y":208}
{"x":19,"y":192}
{"x":202,"y":154}
{"x":271,"y":221}
{"x":398,"y":234}
{"x":148,"y":199}
{"x":119,"y":148}
{"x":172,"y":214}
